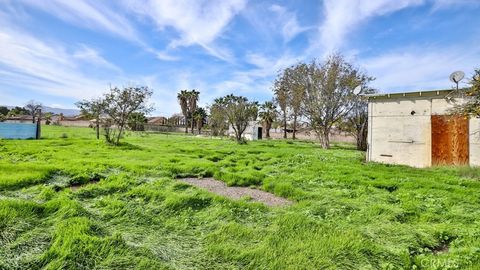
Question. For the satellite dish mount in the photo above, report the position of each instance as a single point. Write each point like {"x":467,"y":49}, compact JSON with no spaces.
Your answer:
{"x":456,"y":77}
{"x":357,"y":90}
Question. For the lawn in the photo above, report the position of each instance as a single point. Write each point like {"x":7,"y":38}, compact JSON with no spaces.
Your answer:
{"x":128,"y":211}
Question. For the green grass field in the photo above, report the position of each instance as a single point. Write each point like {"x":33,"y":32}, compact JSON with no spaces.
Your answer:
{"x":347,"y":214}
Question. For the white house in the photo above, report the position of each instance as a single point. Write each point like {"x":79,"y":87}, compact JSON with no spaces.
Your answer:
{"x":415,"y":129}
{"x":254,"y":131}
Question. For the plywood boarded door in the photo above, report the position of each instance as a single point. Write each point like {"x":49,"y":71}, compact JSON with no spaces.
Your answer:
{"x":449,"y":140}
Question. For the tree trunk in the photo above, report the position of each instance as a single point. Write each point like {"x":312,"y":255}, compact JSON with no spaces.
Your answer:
{"x":186,"y":125}
{"x":325,"y":138}
{"x":192,"y":125}
{"x":267,"y":130}
{"x":362,"y":137}
{"x":284,"y":125}
{"x":33,"y":119}
{"x":97,"y":125}
{"x":294,"y":126}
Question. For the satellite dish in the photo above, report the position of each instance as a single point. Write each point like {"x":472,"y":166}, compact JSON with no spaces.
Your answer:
{"x":357,"y":90}
{"x":457,"y":76}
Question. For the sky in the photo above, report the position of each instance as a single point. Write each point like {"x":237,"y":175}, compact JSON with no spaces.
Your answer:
{"x":58,"y":52}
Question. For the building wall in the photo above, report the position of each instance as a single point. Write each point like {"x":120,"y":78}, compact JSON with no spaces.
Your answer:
{"x":397,"y":137}
{"x":250,"y":133}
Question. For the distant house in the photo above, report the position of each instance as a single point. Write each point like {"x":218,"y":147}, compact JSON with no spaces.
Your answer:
{"x":415,"y":129}
{"x":157,"y":120}
{"x":18,"y":119}
{"x":254,"y":131}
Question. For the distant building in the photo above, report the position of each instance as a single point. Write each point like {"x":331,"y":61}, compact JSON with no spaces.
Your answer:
{"x":416,"y":129}
{"x":18,"y":119}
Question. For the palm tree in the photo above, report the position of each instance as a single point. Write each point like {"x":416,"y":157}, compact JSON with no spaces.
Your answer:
{"x":193,"y":97}
{"x":268,"y":114}
{"x":183,"y":98}
{"x":200,"y":115}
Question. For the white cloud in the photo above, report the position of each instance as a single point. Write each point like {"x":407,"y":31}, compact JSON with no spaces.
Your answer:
{"x":92,"y":56}
{"x":420,"y":68}
{"x":439,"y":4}
{"x":290,"y":27}
{"x":44,"y":67}
{"x":88,"y":14}
{"x":343,"y":16}
{"x":198,"y":22}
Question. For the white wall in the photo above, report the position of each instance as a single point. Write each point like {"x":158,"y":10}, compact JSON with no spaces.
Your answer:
{"x":395,"y":136}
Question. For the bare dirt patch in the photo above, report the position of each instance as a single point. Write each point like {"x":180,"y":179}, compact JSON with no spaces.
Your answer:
{"x":236,"y":193}
{"x":75,"y":187}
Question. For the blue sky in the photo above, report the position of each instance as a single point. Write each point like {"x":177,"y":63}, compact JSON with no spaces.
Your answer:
{"x":58,"y":51}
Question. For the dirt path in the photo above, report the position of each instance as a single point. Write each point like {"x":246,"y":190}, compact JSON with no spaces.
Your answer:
{"x":236,"y":193}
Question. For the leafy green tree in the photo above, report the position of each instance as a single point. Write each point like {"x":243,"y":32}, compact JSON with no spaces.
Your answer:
{"x":136,"y":121}
{"x":280,"y":89}
{"x":119,"y":106}
{"x":295,"y":83}
{"x":4,"y":110}
{"x":91,"y":109}
{"x":329,"y":94}
{"x":471,"y":107}
{"x":355,"y":122}
{"x":239,"y":112}
{"x":48,"y":118}
{"x":18,"y":111}
{"x":217,"y":120}
{"x":268,"y":114}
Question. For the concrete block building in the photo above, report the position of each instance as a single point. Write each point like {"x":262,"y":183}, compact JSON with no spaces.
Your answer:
{"x":254,"y":131}
{"x":416,"y":129}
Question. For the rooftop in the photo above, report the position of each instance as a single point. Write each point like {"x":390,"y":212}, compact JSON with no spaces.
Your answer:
{"x":421,"y":93}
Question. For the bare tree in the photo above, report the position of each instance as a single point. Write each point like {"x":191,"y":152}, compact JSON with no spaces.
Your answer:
{"x":239,"y":112}
{"x":33,"y":107}
{"x":329,"y":92}
{"x":281,"y":98}
{"x":92,"y":109}
{"x":119,"y":105}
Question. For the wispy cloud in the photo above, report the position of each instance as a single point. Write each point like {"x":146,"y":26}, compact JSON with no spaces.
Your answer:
{"x":88,"y":14}
{"x":197,"y":22}
{"x":290,"y":26}
{"x":420,"y":68}
{"x":92,"y":56}
{"x":342,"y":16}
{"x":45,"y":67}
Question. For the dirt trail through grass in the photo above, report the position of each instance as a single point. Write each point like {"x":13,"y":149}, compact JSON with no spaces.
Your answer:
{"x":236,"y":193}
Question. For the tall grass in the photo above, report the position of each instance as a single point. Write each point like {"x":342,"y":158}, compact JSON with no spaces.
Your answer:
{"x":128,"y":211}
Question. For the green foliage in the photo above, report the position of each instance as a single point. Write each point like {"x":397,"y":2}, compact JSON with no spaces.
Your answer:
{"x":67,"y":204}
{"x":238,"y":112}
{"x":472,"y":106}
{"x":4,"y":110}
{"x":268,"y":114}
{"x":136,"y":121}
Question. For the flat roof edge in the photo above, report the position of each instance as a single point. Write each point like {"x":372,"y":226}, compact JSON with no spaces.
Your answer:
{"x":412,"y":93}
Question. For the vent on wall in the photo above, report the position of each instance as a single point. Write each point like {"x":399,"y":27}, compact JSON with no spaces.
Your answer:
{"x":385,"y":155}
